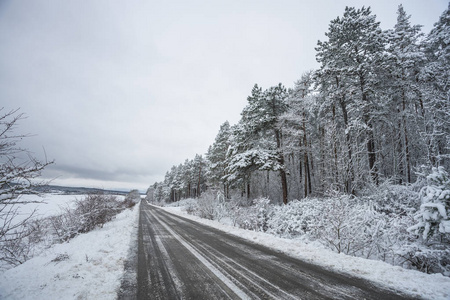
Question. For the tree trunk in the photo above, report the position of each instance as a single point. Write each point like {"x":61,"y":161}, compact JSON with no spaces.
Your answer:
{"x":372,"y":155}
{"x":335,"y":152}
{"x":198,"y":182}
{"x":349,"y":176}
{"x":305,"y":163}
{"x":282,"y":171}
{"x":370,"y":137}
{"x":405,"y":132}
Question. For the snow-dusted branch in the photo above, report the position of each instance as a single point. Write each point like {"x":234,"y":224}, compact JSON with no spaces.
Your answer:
{"x":18,"y":176}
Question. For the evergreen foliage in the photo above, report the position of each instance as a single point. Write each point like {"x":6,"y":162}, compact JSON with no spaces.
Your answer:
{"x":354,"y":133}
{"x":375,"y":111}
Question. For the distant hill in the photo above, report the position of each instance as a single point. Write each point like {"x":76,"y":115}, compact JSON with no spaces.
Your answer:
{"x":75,"y":190}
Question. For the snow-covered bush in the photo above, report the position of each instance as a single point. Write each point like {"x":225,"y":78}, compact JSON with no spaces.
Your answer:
{"x":90,"y":212}
{"x":264,"y":212}
{"x":373,"y":226}
{"x":394,"y":237}
{"x":65,"y":225}
{"x":348,"y":225}
{"x":257,"y":216}
{"x":393,"y":210}
{"x":211,"y":205}
{"x":207,"y":205}
{"x":189,"y":205}
{"x":132,"y":198}
{"x":296,"y":218}
{"x":95,"y":210}
{"x":394,"y":199}
{"x":182,"y":203}
{"x":424,"y":259}
{"x":433,"y":219}
{"x":344,"y":224}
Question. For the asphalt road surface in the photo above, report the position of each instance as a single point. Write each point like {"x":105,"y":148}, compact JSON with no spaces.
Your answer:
{"x":181,"y":259}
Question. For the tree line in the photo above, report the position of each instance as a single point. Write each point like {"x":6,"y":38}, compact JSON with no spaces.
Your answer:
{"x":376,"y":110}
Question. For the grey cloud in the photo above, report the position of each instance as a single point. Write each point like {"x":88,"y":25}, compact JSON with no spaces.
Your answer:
{"x":119,"y":91}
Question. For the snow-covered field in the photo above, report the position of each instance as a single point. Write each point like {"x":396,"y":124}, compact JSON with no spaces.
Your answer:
{"x":434,"y":286}
{"x":89,"y":266}
{"x":45,"y":206}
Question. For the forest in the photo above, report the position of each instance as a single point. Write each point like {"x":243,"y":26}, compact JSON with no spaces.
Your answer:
{"x":359,"y":147}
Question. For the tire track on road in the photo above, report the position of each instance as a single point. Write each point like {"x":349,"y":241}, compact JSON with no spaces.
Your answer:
{"x":174,"y":272}
{"x":210,"y":264}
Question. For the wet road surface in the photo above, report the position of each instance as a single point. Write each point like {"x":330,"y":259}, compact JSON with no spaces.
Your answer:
{"x":182,"y":259}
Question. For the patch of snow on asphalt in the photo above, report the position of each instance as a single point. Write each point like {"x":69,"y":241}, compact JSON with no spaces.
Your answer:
{"x":428,"y":286}
{"x":89,"y":266}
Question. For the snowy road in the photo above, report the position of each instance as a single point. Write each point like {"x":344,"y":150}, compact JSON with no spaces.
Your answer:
{"x":181,"y":259}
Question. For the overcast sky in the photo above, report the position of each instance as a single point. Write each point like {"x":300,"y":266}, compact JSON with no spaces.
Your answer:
{"x":117,"y":92}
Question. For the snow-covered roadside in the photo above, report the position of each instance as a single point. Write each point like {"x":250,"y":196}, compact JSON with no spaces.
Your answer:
{"x":434,"y":286}
{"x":89,"y":266}
{"x":45,"y":206}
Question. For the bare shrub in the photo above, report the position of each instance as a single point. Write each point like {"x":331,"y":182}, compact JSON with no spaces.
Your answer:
{"x":206,"y":205}
{"x":213,"y":205}
{"x":18,"y":173}
{"x":257,"y":216}
{"x":95,"y":210}
{"x":61,"y":257}
{"x":132,"y":199}
{"x":191,"y":208}
{"x":16,"y":250}
{"x":427,"y":260}
{"x":90,"y":212}
{"x":65,"y":226}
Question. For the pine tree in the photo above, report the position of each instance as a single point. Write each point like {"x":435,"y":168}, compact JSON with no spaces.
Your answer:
{"x":434,"y":217}
{"x":199,"y":172}
{"x":350,"y":61}
{"x":436,"y":77}
{"x":296,"y":128}
{"x":257,"y":140}
{"x":404,"y":58}
{"x":217,"y":155}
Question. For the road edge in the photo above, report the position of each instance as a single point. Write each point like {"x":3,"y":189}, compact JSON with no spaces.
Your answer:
{"x":128,"y":285}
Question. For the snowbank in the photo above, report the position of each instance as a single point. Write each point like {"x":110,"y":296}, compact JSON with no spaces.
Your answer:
{"x":434,"y":286}
{"x":88,"y":267}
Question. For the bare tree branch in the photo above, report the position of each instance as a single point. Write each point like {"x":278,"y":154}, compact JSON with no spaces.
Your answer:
{"x":18,"y":176}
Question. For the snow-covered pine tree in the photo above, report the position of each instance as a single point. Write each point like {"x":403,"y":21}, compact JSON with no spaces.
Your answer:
{"x":350,"y":62}
{"x":434,"y":217}
{"x":199,"y":173}
{"x":403,"y":60}
{"x":256,"y":143}
{"x":187,"y":177}
{"x":436,"y":77}
{"x":217,"y":157}
{"x":296,"y":126}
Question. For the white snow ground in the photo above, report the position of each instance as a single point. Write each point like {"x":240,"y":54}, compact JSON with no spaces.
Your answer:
{"x":89,"y":266}
{"x":427,"y":286}
{"x":45,"y":206}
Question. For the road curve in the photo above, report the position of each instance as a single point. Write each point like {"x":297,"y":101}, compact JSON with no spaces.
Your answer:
{"x":182,"y":259}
